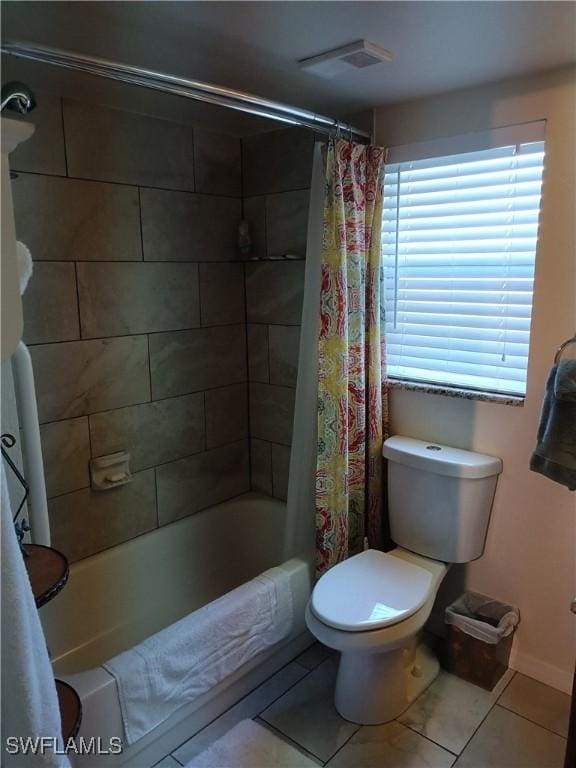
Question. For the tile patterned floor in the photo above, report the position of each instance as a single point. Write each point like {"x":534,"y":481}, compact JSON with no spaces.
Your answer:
{"x":454,"y":724}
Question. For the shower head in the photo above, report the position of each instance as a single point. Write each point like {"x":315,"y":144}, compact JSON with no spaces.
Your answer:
{"x":17,"y":97}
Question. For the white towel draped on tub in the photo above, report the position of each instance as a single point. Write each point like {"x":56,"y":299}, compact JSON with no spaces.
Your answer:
{"x":188,"y":658}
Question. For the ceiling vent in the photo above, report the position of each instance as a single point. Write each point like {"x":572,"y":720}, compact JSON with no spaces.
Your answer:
{"x":338,"y":61}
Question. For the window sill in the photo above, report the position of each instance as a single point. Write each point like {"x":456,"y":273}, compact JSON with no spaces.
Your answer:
{"x":464,"y":394}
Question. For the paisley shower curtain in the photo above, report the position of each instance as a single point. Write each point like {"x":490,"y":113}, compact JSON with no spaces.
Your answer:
{"x":352,"y":398}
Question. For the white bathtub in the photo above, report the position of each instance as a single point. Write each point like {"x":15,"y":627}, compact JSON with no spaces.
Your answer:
{"x":117,"y":598}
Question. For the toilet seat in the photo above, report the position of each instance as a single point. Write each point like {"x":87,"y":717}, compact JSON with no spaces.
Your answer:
{"x":370,"y":591}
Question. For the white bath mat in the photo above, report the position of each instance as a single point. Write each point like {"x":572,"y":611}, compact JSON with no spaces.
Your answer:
{"x":250,"y":745}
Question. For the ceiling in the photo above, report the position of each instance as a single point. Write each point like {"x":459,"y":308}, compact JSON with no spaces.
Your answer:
{"x":255,"y":46}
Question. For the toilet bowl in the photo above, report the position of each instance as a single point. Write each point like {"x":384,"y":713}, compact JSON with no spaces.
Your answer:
{"x":372,"y":606}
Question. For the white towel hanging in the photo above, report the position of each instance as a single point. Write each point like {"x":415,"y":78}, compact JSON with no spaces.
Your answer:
{"x":27,"y":678}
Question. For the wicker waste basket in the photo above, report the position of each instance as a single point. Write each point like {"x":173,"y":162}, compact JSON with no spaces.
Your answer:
{"x":479,"y":641}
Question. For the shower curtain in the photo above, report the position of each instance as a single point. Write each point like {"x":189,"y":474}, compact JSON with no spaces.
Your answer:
{"x":299,"y":534}
{"x":352,"y":398}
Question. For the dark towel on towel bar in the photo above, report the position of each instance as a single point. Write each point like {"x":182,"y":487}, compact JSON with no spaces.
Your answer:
{"x":555,"y":454}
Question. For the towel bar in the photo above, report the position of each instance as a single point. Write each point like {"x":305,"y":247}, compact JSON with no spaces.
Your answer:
{"x":562,"y":347}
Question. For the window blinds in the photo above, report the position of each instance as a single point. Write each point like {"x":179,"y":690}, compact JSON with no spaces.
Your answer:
{"x":459,"y":242}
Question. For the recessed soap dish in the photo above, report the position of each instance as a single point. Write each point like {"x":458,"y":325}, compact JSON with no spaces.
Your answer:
{"x":112,"y":471}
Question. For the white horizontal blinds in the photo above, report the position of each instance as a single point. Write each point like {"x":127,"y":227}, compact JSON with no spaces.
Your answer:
{"x":459,"y":243}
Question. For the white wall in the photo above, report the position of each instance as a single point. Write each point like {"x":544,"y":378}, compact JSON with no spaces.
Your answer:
{"x":530,"y":553}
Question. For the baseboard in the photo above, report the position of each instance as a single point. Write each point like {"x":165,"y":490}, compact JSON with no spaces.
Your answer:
{"x":541,"y":671}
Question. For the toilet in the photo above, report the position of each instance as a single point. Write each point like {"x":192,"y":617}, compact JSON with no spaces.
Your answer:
{"x":372,"y":606}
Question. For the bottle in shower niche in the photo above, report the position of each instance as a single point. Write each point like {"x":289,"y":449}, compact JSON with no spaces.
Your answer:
{"x":244,"y":239}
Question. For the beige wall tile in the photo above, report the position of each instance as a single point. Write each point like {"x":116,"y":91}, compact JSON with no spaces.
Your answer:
{"x":277,"y":161}
{"x":113,"y":145}
{"x":255,"y":215}
{"x":70,"y":220}
{"x":271,"y":413}
{"x":222,"y":294}
{"x":119,"y":299}
{"x":183,"y":227}
{"x":66,"y":454}
{"x":284,"y":349}
{"x":191,"y":484}
{"x":226,"y":415}
{"x":51,"y":304}
{"x":217,"y":164}
{"x":79,"y":377}
{"x":287,"y":223}
{"x":280,"y":471}
{"x":258,"y":366}
{"x":153,"y":433}
{"x":274,"y":292}
{"x":261,"y":466}
{"x":85,"y":522}
{"x":190,"y":212}
{"x":189,"y":361}
{"x":44,"y":151}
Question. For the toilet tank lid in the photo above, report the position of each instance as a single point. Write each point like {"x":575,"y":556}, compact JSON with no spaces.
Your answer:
{"x":440,"y":459}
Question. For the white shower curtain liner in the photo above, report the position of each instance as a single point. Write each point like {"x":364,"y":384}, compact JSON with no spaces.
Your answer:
{"x":302,"y":477}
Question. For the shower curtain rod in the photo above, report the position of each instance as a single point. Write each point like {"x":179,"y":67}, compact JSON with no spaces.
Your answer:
{"x":180,"y":86}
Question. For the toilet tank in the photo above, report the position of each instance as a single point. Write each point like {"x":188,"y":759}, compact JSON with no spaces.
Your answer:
{"x":439,"y":498}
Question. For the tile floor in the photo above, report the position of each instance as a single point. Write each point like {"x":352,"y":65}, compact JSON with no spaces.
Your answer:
{"x":521,"y":724}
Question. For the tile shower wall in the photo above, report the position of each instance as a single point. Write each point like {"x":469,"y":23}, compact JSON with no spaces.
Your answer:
{"x":135,"y":317}
{"x":277,"y":169}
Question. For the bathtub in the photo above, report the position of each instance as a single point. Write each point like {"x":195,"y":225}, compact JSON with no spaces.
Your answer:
{"x":116,"y":599}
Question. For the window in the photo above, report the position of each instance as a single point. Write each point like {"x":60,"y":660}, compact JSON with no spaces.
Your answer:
{"x":459,"y":242}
